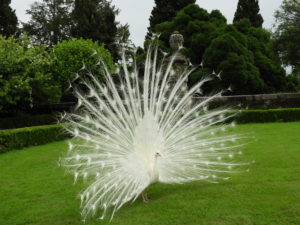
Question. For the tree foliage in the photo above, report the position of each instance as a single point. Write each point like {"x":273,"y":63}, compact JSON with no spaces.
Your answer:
{"x":287,"y":34}
{"x":242,"y":53}
{"x":249,"y":9}
{"x":53,"y":21}
{"x":198,"y":28}
{"x":71,"y":57}
{"x":165,"y":10}
{"x":50,"y":21}
{"x":25,"y":74}
{"x":123,"y":35}
{"x":30,"y":75}
{"x":227,"y":54}
{"x":95,"y":20}
{"x":8,"y":19}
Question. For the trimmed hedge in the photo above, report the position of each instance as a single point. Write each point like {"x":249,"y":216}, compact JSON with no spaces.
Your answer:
{"x":28,"y":136}
{"x":267,"y":116}
{"x":25,"y":120}
{"x":24,"y":137}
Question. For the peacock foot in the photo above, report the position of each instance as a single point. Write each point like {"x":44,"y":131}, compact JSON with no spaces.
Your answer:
{"x":145,"y":197}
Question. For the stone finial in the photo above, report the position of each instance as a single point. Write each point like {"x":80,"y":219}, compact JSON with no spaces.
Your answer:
{"x":176,"y":41}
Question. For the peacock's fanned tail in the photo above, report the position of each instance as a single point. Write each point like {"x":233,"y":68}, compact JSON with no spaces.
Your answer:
{"x":118,"y":127}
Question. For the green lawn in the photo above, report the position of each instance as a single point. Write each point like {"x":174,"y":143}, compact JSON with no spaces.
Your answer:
{"x":34,"y":190}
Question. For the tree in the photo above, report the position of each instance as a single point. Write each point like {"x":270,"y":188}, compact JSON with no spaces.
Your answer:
{"x":123,"y":35}
{"x":198,"y":28}
{"x":227,"y":54}
{"x":123,"y":43}
{"x":165,"y":10}
{"x":8,"y":19}
{"x":70,"y":56}
{"x":249,"y":9}
{"x":287,"y":34}
{"x":259,"y":42}
{"x":95,"y":20}
{"x":50,"y":21}
{"x":25,"y":74}
{"x":242,"y":53}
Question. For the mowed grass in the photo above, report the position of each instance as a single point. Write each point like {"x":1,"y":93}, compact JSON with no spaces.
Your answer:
{"x":35,"y":190}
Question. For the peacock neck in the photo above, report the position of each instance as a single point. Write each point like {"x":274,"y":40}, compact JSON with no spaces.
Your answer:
{"x":154,"y":173}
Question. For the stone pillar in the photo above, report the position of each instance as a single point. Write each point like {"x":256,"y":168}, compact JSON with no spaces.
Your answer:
{"x":180,"y":61}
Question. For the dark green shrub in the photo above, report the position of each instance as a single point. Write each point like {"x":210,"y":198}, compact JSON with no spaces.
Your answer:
{"x":70,"y":56}
{"x":25,"y":120}
{"x":23,"y":137}
{"x":267,"y":116}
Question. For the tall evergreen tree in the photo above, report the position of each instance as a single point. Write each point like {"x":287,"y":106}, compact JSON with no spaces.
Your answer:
{"x":95,"y":19}
{"x":287,"y":34}
{"x":8,"y":19}
{"x":249,"y":9}
{"x":50,"y":21}
{"x":241,"y":52}
{"x":165,"y":10}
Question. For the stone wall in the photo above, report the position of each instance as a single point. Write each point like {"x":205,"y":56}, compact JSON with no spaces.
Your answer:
{"x":263,"y":101}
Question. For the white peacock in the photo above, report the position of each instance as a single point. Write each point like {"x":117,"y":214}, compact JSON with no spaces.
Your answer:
{"x":139,"y":131}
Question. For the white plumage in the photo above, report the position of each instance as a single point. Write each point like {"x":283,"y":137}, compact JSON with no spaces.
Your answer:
{"x":139,"y":132}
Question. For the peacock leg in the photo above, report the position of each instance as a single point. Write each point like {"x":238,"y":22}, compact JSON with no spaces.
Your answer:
{"x":145,"y":196}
